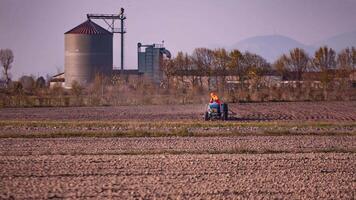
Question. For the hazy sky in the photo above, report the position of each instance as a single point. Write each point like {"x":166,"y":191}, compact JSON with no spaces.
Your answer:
{"x":34,"y":29}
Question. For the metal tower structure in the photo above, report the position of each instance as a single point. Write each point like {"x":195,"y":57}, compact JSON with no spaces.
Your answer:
{"x":110,"y":20}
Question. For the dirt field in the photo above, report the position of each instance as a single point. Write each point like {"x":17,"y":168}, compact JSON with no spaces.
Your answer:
{"x":176,"y":145}
{"x":297,"y":150}
{"x":291,"y":111}
{"x":199,"y":168}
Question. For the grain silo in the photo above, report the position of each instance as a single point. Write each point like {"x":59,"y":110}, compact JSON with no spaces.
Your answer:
{"x":149,"y":60}
{"x":88,"y":51}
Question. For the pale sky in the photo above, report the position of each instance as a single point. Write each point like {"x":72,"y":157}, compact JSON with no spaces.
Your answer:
{"x":34,"y":29}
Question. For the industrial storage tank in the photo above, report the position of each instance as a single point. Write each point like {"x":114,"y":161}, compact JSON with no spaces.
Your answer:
{"x":88,"y":51}
{"x":149,"y":60}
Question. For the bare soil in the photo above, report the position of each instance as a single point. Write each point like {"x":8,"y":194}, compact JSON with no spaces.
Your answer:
{"x":271,"y":111}
{"x":287,"y":150}
{"x":176,"y":145}
{"x":89,"y":168}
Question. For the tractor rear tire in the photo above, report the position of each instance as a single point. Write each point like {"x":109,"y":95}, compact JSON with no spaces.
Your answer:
{"x":225,"y":116}
{"x":225,"y":112}
{"x":206,"y":116}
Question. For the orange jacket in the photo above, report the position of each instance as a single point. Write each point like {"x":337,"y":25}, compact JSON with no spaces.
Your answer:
{"x":214,"y":98}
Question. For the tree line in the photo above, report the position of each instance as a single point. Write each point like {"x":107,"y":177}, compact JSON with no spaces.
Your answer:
{"x":204,"y":62}
{"x":188,"y":78}
{"x":217,"y":64}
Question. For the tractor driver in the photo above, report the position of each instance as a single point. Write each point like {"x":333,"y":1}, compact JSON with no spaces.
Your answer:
{"x":214,"y":98}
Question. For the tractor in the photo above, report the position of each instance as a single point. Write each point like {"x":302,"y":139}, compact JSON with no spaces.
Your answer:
{"x":216,"y":111}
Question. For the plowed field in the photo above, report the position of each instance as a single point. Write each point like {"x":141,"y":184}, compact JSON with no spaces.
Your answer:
{"x":295,"y":111}
{"x":290,"y":167}
{"x":288,"y":150}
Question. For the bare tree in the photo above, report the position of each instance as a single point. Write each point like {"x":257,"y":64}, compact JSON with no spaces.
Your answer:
{"x":255,"y":66}
{"x":236,"y":66}
{"x":280,"y":66}
{"x":180,"y":64}
{"x":297,"y":62}
{"x":190,"y":66}
{"x":203,"y":58}
{"x":221,"y":64}
{"x":168,"y":69}
{"x":345,"y":59}
{"x":345,"y":66}
{"x":6,"y":58}
{"x":345,"y":62}
{"x":325,"y":60}
{"x":254,"y":63}
{"x":221,"y":60}
{"x":234,"y":63}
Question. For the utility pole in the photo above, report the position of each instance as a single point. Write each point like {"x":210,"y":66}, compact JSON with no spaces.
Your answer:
{"x":122,"y":32}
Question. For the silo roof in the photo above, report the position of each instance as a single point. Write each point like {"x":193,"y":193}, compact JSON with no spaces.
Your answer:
{"x":88,"y":27}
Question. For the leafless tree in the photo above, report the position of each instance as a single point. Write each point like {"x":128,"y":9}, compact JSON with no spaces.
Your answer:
{"x":180,"y":65}
{"x":254,"y":63}
{"x":221,"y":60}
{"x":203,"y":58}
{"x":280,"y":66}
{"x":190,"y":66}
{"x":168,"y":68}
{"x":297,"y":62}
{"x":324,"y":59}
{"x":345,"y":59}
{"x":6,"y":58}
{"x":255,"y":66}
{"x":221,"y":64}
{"x":235,"y":57}
{"x":235,"y":63}
{"x":345,"y":66}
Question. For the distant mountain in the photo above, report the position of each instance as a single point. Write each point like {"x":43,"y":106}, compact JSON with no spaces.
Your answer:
{"x":339,"y":42}
{"x":271,"y":47}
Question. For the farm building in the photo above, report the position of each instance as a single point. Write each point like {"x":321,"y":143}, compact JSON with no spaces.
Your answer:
{"x":89,"y":51}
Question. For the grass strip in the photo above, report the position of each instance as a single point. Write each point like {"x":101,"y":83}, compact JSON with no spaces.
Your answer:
{"x":56,"y":129}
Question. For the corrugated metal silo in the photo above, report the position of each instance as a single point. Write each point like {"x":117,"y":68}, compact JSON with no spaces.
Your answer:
{"x":88,"y":51}
{"x":149,"y":60}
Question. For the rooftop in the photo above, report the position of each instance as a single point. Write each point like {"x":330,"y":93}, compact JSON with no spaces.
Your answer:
{"x":89,"y":28}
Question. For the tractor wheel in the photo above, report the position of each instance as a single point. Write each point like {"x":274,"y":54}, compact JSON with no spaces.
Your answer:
{"x":225,"y":116}
{"x":225,"y":113}
{"x":206,"y":116}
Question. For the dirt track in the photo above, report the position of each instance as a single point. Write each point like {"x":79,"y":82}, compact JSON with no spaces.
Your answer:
{"x":120,"y":168}
{"x":292,"y":111}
